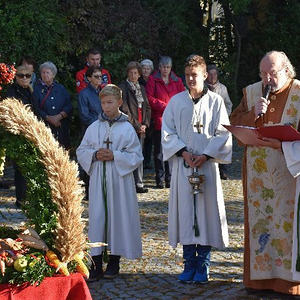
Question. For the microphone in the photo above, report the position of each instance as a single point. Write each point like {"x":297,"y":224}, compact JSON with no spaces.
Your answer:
{"x":265,"y":95}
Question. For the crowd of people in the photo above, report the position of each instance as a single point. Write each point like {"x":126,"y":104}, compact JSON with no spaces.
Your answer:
{"x":183,"y":123}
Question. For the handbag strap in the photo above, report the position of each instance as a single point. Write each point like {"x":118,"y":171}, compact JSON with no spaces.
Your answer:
{"x":46,"y":96}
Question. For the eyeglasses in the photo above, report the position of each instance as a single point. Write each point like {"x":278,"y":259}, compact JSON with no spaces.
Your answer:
{"x":97,"y":76}
{"x":20,"y":75}
{"x":273,"y":74}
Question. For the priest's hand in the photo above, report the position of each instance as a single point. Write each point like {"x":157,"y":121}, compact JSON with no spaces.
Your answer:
{"x":104,"y":155}
{"x":272,"y":143}
{"x":199,"y":160}
{"x":261,"y":106}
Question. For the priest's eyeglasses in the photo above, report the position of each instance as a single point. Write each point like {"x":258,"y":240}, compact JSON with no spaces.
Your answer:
{"x":272,"y":74}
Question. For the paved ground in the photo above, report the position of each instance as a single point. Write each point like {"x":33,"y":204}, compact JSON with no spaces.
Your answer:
{"x":154,"y":276}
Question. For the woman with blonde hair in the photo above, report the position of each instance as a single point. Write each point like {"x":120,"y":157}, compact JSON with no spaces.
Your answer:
{"x":21,"y":90}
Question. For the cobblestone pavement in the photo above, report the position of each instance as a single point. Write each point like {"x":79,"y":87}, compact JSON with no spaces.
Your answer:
{"x":154,"y":276}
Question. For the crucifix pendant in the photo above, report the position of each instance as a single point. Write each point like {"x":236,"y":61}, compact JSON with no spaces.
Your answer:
{"x":107,"y":142}
{"x":198,"y":126}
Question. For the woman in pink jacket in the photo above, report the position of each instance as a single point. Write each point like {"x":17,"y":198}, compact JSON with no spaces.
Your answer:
{"x":160,"y":87}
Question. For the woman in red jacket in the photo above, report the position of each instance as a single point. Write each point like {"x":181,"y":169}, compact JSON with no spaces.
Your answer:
{"x":160,"y":87}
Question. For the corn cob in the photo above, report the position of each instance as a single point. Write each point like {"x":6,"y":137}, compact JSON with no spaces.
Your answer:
{"x":81,"y":267}
{"x":60,"y":266}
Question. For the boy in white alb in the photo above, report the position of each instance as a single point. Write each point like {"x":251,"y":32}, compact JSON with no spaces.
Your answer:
{"x":109,"y":152}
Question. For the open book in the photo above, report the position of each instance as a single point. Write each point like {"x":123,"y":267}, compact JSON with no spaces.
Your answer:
{"x":252,"y":136}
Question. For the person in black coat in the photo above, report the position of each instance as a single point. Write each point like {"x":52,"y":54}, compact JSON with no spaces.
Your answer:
{"x":21,"y":90}
{"x":136,"y":106}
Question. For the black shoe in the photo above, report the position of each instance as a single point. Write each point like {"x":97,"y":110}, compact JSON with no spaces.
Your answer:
{"x":96,"y":271}
{"x":113,"y":267}
{"x":167,"y":185}
{"x":141,"y":189}
{"x":223,"y":176}
{"x":160,"y":185}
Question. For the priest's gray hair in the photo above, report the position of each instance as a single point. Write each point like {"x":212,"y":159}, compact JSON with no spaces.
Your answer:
{"x":49,"y":65}
{"x":165,"y":61}
{"x":286,"y":63}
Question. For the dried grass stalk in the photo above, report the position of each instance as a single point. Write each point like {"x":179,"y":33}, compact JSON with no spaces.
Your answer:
{"x":67,"y":192}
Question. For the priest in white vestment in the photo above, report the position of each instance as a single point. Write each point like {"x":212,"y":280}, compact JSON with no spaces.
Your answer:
{"x":193,"y":137}
{"x":112,"y":182}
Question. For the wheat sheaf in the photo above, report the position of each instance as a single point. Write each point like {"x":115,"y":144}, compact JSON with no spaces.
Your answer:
{"x":66,"y":190}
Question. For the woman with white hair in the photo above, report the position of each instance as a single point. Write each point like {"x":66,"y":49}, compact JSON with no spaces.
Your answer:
{"x":147,"y":69}
{"x":53,"y":104}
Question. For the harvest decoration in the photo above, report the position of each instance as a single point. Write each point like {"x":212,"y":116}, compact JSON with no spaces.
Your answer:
{"x":54,"y":194}
{"x":7,"y":74}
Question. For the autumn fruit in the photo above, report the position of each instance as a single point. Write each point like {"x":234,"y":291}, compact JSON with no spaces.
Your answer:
{"x":20,"y":264}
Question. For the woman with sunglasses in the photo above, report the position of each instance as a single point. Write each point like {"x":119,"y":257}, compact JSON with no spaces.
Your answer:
{"x":88,"y":99}
{"x":53,"y":104}
{"x":21,"y":90}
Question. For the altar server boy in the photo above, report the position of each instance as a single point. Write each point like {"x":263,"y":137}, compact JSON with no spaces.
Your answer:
{"x":109,"y":152}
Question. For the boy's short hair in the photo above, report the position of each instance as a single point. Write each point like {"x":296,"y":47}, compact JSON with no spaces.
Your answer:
{"x":91,"y":70}
{"x":195,"y":60}
{"x":111,"y":90}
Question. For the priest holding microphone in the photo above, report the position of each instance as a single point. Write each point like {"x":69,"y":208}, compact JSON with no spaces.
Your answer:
{"x":271,"y":188}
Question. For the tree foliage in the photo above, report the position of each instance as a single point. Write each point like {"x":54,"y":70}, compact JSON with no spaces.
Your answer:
{"x":235,"y":39}
{"x":32,"y":27}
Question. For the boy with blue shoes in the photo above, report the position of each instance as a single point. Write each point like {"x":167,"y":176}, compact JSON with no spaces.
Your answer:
{"x":195,"y":142}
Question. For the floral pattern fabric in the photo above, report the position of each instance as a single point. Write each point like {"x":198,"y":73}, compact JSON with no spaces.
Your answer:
{"x":271,"y":199}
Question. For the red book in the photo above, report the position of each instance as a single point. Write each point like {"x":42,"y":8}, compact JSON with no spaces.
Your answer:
{"x":253,"y":136}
